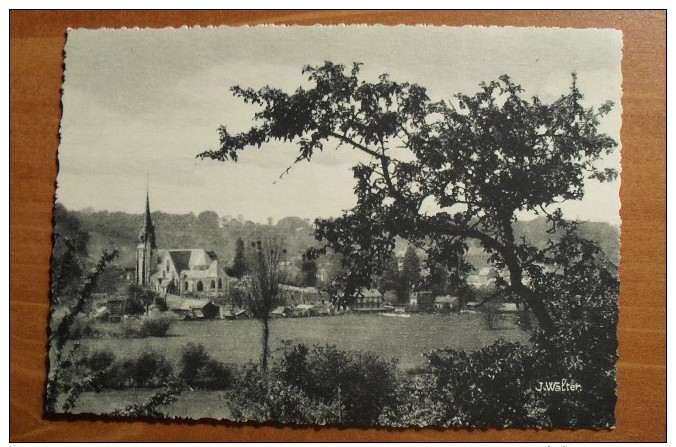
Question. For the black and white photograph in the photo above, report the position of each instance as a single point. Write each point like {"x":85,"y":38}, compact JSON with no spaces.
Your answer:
{"x":363,"y":226}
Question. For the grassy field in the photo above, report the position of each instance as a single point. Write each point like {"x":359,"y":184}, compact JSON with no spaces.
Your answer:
{"x":238,"y":342}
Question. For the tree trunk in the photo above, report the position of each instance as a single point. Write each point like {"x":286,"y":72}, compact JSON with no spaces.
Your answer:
{"x":266,"y":338}
{"x":516,"y":280}
{"x":537,"y":306}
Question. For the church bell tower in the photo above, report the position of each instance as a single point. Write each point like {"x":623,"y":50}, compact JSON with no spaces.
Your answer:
{"x":146,"y":250}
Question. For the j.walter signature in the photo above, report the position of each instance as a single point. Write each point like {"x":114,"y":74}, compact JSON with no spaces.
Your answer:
{"x":561,"y":386}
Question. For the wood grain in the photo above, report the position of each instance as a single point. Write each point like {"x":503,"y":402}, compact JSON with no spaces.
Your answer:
{"x":36,"y":57}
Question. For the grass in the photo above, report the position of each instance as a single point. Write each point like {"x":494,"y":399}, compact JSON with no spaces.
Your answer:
{"x":238,"y":342}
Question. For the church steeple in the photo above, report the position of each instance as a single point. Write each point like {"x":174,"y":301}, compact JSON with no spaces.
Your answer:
{"x":147,"y":233}
{"x":147,"y":250}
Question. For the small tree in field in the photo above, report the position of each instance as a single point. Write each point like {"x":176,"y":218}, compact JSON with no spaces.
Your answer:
{"x":263,"y":292}
{"x":481,"y":159}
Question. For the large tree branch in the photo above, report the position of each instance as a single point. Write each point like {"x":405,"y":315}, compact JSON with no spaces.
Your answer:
{"x":359,"y":146}
{"x":384,"y":162}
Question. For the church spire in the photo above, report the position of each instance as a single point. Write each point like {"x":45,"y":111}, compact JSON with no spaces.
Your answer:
{"x":147,"y":233}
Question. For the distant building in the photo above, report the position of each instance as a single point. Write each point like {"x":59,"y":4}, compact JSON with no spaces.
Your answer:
{"x":304,"y":295}
{"x":446,"y":303}
{"x":369,"y":299}
{"x":280,"y":312}
{"x":483,"y":277}
{"x":192,"y":308}
{"x":305,"y":310}
{"x":189,"y":271}
{"x":176,"y":271}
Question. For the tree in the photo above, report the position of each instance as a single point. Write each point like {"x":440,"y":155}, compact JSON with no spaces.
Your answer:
{"x":208,"y":221}
{"x":263,"y":292}
{"x":61,"y":359}
{"x":309,"y":270}
{"x":480,"y":158}
{"x":239,"y":264}
{"x":389,"y":280}
{"x":69,"y":254}
{"x":438,"y":279}
{"x":410,"y":272}
{"x":139,"y":300}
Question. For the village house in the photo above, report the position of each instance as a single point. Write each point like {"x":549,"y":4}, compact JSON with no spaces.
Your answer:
{"x":294,"y":295}
{"x":192,"y":308}
{"x":446,"y":303}
{"x":369,"y":300}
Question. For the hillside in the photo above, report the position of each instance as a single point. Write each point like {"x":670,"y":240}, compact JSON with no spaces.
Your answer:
{"x":206,"y":230}
{"x":120,"y":230}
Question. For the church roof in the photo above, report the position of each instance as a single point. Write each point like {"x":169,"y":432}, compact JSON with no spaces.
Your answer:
{"x":181,"y":259}
{"x":196,"y":259}
{"x":196,"y":274}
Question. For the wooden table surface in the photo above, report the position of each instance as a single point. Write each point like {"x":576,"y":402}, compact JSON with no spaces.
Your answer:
{"x":36,"y":57}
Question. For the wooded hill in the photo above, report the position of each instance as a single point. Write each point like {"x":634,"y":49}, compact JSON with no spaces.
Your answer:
{"x":120,"y":230}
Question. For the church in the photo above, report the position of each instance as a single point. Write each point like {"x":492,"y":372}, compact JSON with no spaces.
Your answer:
{"x":193,"y":271}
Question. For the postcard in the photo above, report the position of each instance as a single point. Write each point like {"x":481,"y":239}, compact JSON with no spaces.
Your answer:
{"x":397,"y":226}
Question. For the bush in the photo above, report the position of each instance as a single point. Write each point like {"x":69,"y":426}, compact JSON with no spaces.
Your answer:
{"x":81,"y":328}
{"x":92,"y":371}
{"x":491,"y":387}
{"x":149,"y":369}
{"x":500,"y":385}
{"x":363,"y":383}
{"x":130,"y":328}
{"x":134,"y":306}
{"x":161,"y":304}
{"x":87,"y":369}
{"x":157,"y":324}
{"x":99,"y":360}
{"x":318,"y":385}
{"x":199,"y":370}
{"x":259,"y":396}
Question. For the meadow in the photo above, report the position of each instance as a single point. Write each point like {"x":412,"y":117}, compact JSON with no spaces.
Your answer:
{"x":238,"y":342}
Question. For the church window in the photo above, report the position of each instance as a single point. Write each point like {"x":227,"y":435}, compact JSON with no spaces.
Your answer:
{"x":213,"y":284}
{"x":220,"y":283}
{"x":200,"y":286}
{"x":167,"y":266}
{"x":185,"y":286}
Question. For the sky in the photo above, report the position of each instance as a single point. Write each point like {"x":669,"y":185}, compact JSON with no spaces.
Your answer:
{"x":140,"y":104}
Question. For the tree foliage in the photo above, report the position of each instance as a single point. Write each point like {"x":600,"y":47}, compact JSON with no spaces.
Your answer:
{"x":199,"y":370}
{"x":239,"y":264}
{"x":501,"y":384}
{"x":389,"y":280}
{"x":309,"y":271}
{"x":410,"y":271}
{"x":318,"y":384}
{"x":59,"y":357}
{"x":69,"y":255}
{"x":480,"y":158}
